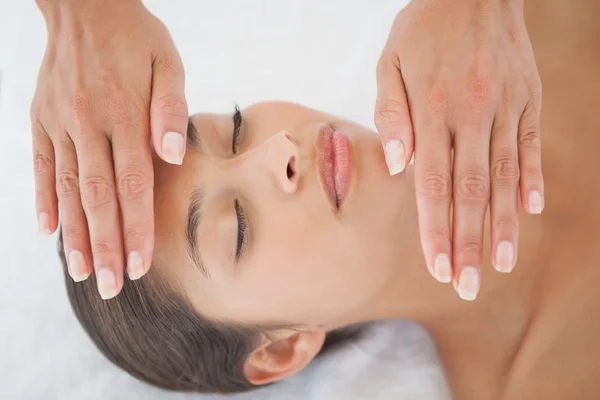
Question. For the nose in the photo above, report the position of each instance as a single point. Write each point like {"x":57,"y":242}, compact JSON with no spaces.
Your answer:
{"x":278,"y":159}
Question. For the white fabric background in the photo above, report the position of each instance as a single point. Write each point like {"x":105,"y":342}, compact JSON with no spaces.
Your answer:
{"x":319,"y":53}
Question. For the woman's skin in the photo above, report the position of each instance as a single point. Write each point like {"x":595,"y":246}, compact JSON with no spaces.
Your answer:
{"x":529,"y":335}
{"x":111,"y":78}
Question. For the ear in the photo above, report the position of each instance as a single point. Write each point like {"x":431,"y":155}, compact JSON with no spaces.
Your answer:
{"x":281,"y":355}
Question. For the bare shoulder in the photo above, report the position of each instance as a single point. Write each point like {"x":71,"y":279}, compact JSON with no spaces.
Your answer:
{"x":560,"y":356}
{"x":566,"y":41}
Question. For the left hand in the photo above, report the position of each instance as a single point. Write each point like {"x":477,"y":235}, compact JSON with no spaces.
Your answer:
{"x":462,"y":74}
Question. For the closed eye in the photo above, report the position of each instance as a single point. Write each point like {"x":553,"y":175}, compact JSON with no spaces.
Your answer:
{"x":237,"y":131}
{"x":242,"y":230}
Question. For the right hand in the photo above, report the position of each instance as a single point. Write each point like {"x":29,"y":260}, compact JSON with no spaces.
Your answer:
{"x":110,"y":78}
{"x":468,"y":104}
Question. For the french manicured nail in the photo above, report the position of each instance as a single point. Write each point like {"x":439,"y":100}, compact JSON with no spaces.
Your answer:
{"x":44,"y":223}
{"x":107,"y":283}
{"x":395,"y":156}
{"x":135,"y":266}
{"x":172,"y":147}
{"x":505,"y":255}
{"x":442,"y":269}
{"x":535,"y":202}
{"x":77,"y":267}
{"x":468,"y":283}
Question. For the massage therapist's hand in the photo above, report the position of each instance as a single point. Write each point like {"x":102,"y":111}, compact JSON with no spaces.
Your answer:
{"x":461,"y":75}
{"x":110,"y":78}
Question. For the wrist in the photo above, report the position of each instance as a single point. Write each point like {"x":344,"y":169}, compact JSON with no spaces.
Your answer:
{"x":55,"y":12}
{"x":513,"y":6}
{"x":505,"y":3}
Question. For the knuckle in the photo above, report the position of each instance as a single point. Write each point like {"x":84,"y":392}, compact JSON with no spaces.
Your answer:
{"x":102,"y":247}
{"x":529,"y":137}
{"x":505,"y":171}
{"x":435,"y":186}
{"x":123,"y":106}
{"x":436,"y":101}
{"x":41,"y":197}
{"x":389,"y":112}
{"x":479,"y":90}
{"x":80,"y":107}
{"x":132,"y":184}
{"x":67,"y":184}
{"x":42,"y":164}
{"x":166,"y":63}
{"x":135,"y":233}
{"x":533,"y":173}
{"x":437,"y":235}
{"x":118,"y":105}
{"x":473,"y":185}
{"x":169,"y":106}
{"x":96,"y":191}
{"x":471,"y":246}
{"x":507,"y":223}
{"x":70,"y":232}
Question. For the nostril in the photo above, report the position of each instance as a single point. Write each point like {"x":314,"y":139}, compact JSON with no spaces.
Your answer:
{"x":290,"y":168}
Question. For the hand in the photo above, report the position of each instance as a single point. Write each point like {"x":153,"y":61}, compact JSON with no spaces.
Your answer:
{"x":462,"y":75}
{"x":110,"y":78}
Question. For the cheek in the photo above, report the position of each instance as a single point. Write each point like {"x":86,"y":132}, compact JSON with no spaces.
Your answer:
{"x":286,"y":249}
{"x":289,"y":271}
{"x":304,"y":272}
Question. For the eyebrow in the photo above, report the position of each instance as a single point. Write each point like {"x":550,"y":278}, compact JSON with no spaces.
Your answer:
{"x":193,"y":138}
{"x":194,"y":219}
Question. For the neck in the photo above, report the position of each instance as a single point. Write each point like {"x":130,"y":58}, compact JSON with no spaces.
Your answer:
{"x":414,"y":294}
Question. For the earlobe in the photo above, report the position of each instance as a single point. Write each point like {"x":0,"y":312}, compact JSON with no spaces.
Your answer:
{"x":282,"y":356}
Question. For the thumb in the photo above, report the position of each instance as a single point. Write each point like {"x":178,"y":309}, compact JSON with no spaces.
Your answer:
{"x":392,"y":115}
{"x":168,"y":108}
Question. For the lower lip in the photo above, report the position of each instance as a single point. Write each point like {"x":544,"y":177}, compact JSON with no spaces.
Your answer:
{"x":335,"y":163}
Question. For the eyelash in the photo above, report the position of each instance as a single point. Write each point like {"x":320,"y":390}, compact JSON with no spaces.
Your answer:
{"x":237,"y":124}
{"x":241,"y":216}
{"x":242,"y":228}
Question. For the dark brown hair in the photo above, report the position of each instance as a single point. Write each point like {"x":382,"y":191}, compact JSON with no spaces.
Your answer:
{"x":151,"y":332}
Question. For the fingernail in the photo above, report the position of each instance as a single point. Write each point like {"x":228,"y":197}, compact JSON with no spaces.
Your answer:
{"x":535,"y":202}
{"x":44,"y":223}
{"x":107,"y":283}
{"x":135,"y":266}
{"x":442,"y":270}
{"x":172,"y":147}
{"x":504,"y":257}
{"x":395,"y":157}
{"x":77,"y":268}
{"x":468,"y":283}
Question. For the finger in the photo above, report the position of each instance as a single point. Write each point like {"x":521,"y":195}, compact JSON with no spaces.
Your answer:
{"x":99,"y":199}
{"x":46,"y":203}
{"x":504,"y":191}
{"x":434,"y":190}
{"x":392,"y":115}
{"x":168,"y":109}
{"x":530,"y":160}
{"x":134,"y":178}
{"x":471,"y":179}
{"x":74,"y":224}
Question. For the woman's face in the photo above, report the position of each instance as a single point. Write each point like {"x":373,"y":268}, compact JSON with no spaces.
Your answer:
{"x":250,"y":227}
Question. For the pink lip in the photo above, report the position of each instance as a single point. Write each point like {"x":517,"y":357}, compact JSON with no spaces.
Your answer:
{"x":334,"y":161}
